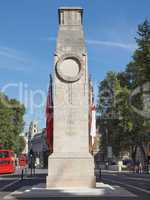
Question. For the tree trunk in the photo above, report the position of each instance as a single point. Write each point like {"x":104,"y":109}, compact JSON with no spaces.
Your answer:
{"x":145,"y":156}
{"x":133,"y":153}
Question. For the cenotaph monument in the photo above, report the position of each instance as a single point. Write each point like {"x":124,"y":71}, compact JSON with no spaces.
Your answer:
{"x":70,"y":164}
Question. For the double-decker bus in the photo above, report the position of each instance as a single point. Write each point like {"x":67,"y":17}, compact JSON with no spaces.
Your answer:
{"x":7,"y":161}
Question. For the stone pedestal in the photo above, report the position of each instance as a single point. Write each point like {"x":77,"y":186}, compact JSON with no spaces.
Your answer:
{"x":71,"y":171}
{"x":71,"y":164}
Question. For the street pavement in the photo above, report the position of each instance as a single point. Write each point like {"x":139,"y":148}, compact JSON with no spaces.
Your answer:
{"x":138,"y":184}
{"x":12,"y":182}
{"x":127,"y":183}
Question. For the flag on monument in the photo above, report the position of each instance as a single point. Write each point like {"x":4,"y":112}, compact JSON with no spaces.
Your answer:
{"x":93,"y":123}
{"x":49,"y":117}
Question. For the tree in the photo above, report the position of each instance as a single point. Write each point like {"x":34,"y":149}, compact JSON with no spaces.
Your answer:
{"x":19,"y":145}
{"x":11,"y":122}
{"x":127,"y":130}
{"x":109,"y":116}
{"x":139,"y":67}
{"x":138,"y":71}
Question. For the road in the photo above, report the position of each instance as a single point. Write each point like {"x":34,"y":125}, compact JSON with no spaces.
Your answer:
{"x":134,"y":183}
{"x":10,"y":183}
{"x":138,"y":184}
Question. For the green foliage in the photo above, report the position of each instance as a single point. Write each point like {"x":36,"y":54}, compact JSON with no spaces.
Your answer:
{"x":126,"y":129}
{"x":19,"y":144}
{"x":11,"y":122}
{"x":139,"y":67}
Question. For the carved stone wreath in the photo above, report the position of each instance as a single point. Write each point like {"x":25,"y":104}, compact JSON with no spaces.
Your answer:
{"x":69,"y":67}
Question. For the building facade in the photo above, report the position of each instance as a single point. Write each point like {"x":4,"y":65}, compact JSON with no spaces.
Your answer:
{"x":37,"y":146}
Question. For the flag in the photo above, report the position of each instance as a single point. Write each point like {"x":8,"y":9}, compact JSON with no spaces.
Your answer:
{"x":49,"y":117}
{"x":92,"y":118}
{"x":93,"y":124}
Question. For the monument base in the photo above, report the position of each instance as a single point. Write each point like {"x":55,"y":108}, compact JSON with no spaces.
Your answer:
{"x":71,"y":172}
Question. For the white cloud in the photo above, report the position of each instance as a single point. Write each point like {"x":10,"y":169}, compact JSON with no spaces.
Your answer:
{"x":111,"y":44}
{"x":49,"y":39}
{"x":9,"y":54}
{"x":52,"y":38}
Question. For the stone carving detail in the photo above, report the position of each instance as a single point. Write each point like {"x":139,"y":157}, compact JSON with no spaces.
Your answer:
{"x":69,"y":68}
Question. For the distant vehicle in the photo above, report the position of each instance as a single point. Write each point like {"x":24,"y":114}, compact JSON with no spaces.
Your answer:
{"x":23,"y":160}
{"x":7,"y":161}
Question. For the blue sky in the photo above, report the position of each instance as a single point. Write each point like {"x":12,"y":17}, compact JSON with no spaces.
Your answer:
{"x":28,"y":29}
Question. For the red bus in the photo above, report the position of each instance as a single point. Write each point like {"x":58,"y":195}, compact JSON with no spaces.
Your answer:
{"x":7,"y":161}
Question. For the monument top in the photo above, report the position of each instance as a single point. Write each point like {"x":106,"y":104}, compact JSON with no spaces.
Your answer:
{"x":70,"y":15}
{"x":70,"y":8}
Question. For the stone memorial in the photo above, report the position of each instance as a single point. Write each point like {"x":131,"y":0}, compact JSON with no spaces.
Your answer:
{"x":71,"y":164}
